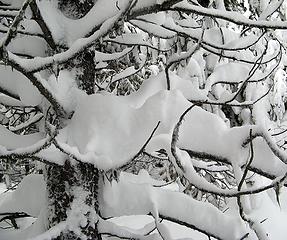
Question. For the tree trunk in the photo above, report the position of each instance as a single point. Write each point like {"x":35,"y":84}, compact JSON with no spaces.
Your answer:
{"x":73,"y":189}
{"x":77,"y":183}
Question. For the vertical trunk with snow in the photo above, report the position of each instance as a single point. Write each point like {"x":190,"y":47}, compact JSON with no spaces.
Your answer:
{"x":75,"y":183}
{"x":73,"y":188}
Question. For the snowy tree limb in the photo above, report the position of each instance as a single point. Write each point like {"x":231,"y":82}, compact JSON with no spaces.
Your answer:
{"x":234,"y":17}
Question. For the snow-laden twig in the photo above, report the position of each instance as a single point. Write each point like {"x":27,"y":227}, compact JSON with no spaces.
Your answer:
{"x":178,"y":58}
{"x":36,"y":79}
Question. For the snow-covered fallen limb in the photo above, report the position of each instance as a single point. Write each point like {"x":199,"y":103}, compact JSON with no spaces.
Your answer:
{"x":126,"y":198}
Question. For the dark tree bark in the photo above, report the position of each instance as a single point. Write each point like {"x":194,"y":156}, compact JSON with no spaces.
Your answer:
{"x":64,"y":185}
{"x":86,"y":71}
{"x":59,"y":197}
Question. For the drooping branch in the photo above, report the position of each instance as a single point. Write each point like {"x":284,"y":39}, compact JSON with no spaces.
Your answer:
{"x":6,"y":58}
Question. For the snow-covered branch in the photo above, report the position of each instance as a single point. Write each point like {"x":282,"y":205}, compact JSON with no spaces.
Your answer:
{"x":230,"y":16}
